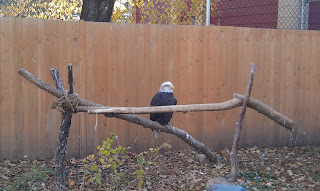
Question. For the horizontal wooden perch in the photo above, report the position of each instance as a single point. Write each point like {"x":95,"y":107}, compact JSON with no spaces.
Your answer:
{"x":237,"y":101}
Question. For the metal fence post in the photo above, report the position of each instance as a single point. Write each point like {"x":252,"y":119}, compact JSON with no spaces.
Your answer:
{"x":208,"y":13}
{"x":303,"y":14}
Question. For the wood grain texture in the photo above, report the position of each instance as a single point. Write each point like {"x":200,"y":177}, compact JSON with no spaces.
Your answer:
{"x":119,"y":65}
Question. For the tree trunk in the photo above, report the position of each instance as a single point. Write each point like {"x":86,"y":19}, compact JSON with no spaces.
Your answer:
{"x":97,"y":10}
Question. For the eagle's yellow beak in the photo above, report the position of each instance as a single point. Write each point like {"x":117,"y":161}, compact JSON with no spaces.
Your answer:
{"x":172,"y":87}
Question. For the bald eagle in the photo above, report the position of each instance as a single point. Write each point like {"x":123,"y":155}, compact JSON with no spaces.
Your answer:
{"x":162,"y":98}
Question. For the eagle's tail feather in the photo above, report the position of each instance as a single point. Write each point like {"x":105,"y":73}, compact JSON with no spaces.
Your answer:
{"x":156,"y":134}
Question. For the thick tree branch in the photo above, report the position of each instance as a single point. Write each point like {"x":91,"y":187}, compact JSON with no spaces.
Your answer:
{"x":39,"y":83}
{"x":51,"y":90}
{"x":235,"y":145}
{"x":177,"y":108}
{"x":233,"y":103}
{"x":172,"y":130}
{"x":268,"y":111}
{"x":128,"y":117}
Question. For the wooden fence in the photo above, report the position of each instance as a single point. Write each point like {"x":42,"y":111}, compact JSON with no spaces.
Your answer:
{"x":124,"y":65}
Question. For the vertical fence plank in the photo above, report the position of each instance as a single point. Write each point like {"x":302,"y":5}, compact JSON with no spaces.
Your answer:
{"x":84,"y":48}
{"x":7,"y":44}
{"x":15,"y":100}
{"x":30,"y":128}
{"x":288,"y":81}
{"x":101,"y":92}
{"x":180,"y":78}
{"x":117,"y":77}
{"x":18,"y":124}
{"x":143,"y":136}
{"x":196,"y":85}
{"x":51,"y":59}
{"x":156,"y":66}
{"x":168,"y":53}
{"x":42,"y":72}
{"x":131,"y":77}
{"x":73,"y":56}
{"x":92,"y":33}
{"x":208,"y":82}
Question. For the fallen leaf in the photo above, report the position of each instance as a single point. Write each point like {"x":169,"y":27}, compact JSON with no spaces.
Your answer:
{"x":290,"y":172}
{"x":71,"y":183}
{"x":190,"y":160}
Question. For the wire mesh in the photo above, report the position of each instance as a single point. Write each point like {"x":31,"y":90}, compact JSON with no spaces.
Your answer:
{"x":274,"y":14}
{"x":174,"y":12}
{"x":43,"y":9}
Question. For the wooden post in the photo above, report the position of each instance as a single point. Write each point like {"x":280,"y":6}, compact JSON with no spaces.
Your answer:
{"x":234,"y":150}
{"x":64,"y":130}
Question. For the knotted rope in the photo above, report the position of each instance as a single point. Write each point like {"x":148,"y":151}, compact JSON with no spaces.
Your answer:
{"x":67,"y":101}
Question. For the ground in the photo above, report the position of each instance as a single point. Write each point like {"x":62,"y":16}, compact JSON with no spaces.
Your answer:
{"x":294,"y":168}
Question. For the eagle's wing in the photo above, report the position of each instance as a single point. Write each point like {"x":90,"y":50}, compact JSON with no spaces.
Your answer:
{"x":156,"y":101}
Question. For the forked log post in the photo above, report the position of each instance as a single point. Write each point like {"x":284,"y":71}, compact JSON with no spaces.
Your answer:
{"x":64,"y":130}
{"x":239,"y":124}
{"x":127,"y":117}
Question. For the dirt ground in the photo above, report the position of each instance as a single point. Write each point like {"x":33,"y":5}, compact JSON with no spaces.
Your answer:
{"x":296,"y":168}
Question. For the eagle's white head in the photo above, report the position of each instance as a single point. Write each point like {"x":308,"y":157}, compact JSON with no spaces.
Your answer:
{"x":166,"y":87}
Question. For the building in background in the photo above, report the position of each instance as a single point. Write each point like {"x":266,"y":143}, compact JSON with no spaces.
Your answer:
{"x":274,"y":14}
{"x":314,"y":16}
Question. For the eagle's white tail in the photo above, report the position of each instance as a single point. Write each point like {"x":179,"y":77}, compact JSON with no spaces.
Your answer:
{"x":156,"y":134}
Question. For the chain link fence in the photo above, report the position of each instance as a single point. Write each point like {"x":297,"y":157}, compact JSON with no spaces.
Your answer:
{"x":172,"y":12}
{"x":274,"y":14}
{"x":43,"y":9}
